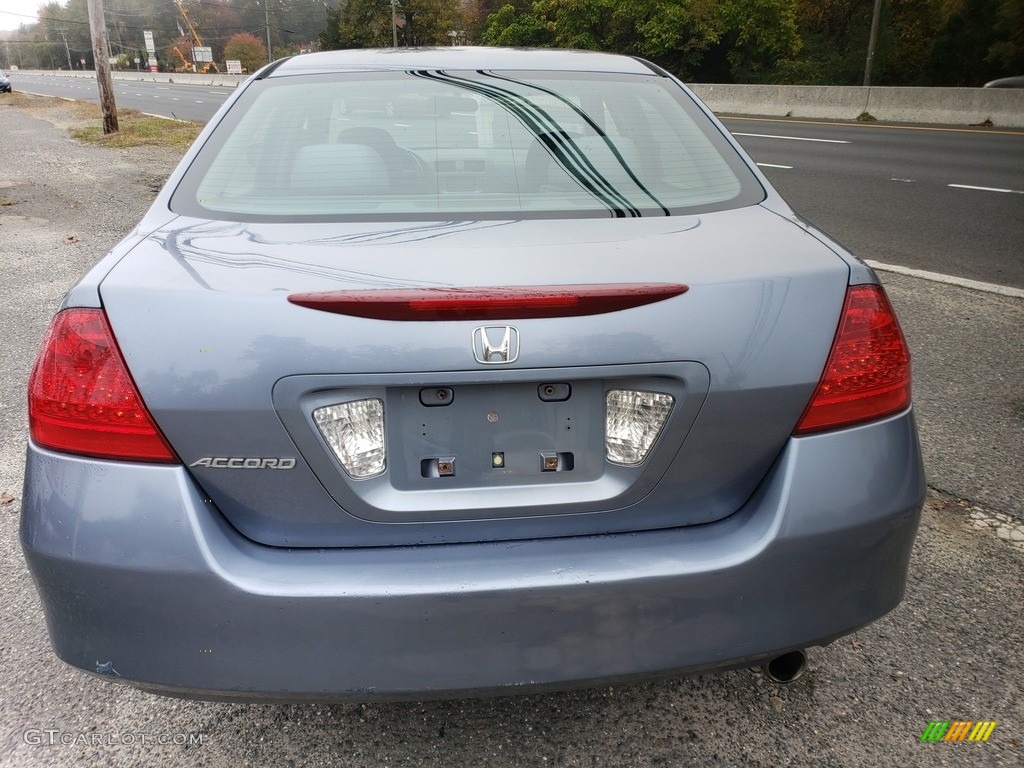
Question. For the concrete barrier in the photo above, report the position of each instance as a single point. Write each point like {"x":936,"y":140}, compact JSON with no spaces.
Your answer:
{"x":186,"y":78}
{"x":782,"y":101}
{"x":1004,"y":107}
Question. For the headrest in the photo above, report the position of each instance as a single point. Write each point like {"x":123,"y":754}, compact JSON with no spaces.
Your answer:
{"x":339,"y":169}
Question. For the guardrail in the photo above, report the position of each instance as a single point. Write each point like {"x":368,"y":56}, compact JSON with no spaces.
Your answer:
{"x":1003,"y":107}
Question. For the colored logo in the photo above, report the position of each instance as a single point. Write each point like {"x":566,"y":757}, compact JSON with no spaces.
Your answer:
{"x":958,"y":730}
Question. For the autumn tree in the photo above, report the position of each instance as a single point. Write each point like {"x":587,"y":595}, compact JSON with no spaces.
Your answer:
{"x":248,"y":49}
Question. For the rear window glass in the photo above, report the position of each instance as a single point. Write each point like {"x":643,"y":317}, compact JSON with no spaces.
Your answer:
{"x":429,"y":145}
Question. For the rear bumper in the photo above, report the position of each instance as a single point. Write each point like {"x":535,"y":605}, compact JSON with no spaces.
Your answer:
{"x":143,"y":582}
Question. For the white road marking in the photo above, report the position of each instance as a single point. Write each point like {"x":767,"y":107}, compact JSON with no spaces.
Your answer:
{"x":62,"y":98}
{"x":217,"y":93}
{"x":962,"y":282}
{"x":198,"y":102}
{"x":905,"y":181}
{"x":769,"y":165}
{"x":987,"y":189}
{"x":791,"y":138}
{"x":161,"y":88}
{"x":175,"y":98}
{"x":165,"y":117}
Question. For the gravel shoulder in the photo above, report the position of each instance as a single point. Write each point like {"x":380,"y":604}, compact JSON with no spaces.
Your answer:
{"x":951,"y":651}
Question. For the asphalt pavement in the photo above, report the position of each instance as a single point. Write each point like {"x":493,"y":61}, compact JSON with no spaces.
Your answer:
{"x":183,"y":102}
{"x":949,"y":201}
{"x":951,"y":651}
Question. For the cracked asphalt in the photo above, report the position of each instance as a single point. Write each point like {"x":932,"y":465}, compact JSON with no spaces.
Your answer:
{"x":951,"y":651}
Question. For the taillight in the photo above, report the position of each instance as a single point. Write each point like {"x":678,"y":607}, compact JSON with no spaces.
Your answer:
{"x":81,"y":398}
{"x":868,"y":371}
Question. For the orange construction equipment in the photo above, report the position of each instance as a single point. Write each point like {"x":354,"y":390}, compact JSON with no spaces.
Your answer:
{"x":196,"y":41}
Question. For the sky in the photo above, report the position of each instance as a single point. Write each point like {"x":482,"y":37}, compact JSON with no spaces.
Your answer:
{"x":14,"y":13}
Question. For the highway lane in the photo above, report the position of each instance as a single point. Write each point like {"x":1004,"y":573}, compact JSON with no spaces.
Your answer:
{"x":888,"y":194}
{"x":923,"y":198}
{"x":184,"y":102}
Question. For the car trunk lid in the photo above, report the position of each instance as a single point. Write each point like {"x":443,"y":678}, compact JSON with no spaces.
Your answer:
{"x":234,"y":372}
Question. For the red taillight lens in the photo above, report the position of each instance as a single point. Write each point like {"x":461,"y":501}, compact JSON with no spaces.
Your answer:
{"x":868,"y":371}
{"x":519,"y":302}
{"x":81,"y":398}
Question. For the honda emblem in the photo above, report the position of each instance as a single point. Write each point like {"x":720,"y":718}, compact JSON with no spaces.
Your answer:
{"x":495,"y":344}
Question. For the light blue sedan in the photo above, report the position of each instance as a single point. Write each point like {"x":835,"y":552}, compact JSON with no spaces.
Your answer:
{"x":532,"y":383}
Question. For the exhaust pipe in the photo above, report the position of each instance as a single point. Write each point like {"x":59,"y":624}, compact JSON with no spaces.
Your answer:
{"x":786,"y":668}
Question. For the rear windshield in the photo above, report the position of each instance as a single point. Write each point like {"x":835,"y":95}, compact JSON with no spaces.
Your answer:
{"x":441,"y":145}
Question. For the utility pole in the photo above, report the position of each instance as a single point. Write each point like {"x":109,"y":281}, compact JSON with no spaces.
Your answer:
{"x":266,"y":16}
{"x":871,"y":42}
{"x":66,"y":49}
{"x":101,"y":53}
{"x":394,"y":26}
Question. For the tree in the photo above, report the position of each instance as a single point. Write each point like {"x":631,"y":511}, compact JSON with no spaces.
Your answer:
{"x":367,"y":23}
{"x":982,"y":40}
{"x":428,"y":22}
{"x":330,"y":35}
{"x":248,"y":49}
{"x":674,"y":33}
{"x":1007,"y":52}
{"x":761,"y":33}
{"x":511,"y":27}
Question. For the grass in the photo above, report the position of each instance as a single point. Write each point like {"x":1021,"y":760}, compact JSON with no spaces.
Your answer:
{"x":84,"y":121}
{"x":136,"y":129}
{"x":21,"y":100}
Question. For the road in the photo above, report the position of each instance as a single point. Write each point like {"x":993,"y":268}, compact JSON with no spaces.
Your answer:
{"x":945,"y":201}
{"x":184,"y":102}
{"x":950,"y":651}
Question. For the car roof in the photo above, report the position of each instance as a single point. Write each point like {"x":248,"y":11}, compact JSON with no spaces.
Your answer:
{"x":472,"y":58}
{"x":1014,"y":81}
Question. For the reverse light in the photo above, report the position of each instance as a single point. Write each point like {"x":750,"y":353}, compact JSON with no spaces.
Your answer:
{"x":632,"y":422}
{"x":355,"y":433}
{"x":81,"y":398}
{"x":867,"y":375}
